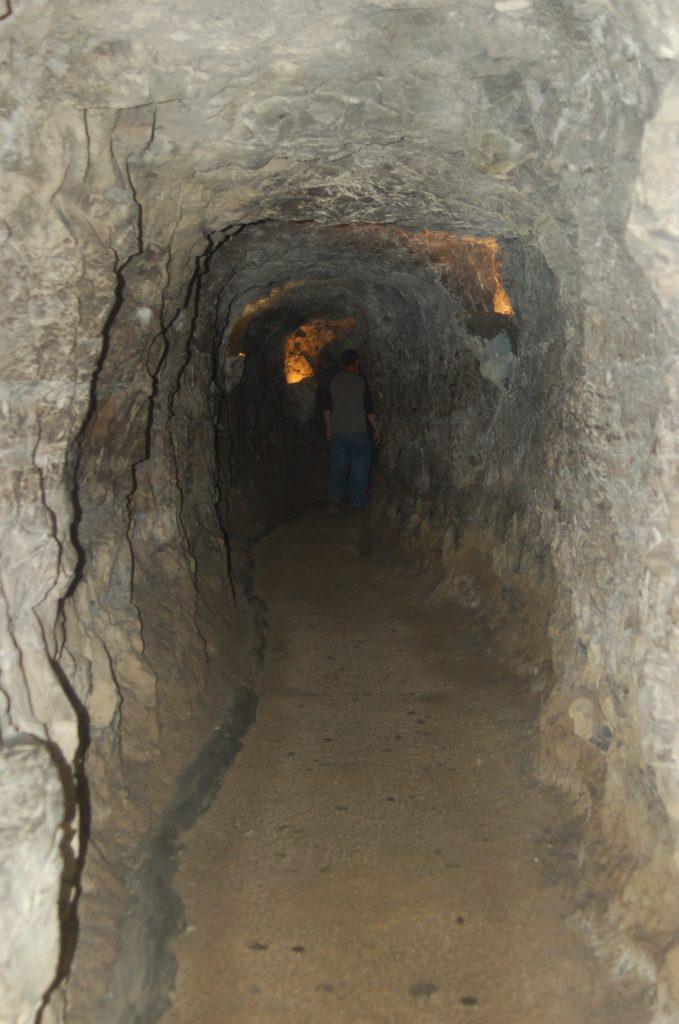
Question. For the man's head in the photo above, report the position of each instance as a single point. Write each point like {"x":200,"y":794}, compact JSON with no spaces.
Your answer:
{"x":350,"y":359}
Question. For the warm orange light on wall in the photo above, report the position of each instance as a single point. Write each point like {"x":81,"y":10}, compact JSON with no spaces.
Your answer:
{"x":483,"y":254}
{"x":297,"y":366}
{"x":501,"y":301}
{"x":304,"y":344}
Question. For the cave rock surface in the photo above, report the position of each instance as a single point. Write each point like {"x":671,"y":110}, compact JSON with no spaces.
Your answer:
{"x":177,"y":172}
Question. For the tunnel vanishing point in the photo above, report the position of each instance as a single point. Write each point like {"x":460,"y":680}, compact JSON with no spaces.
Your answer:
{"x":202,"y":203}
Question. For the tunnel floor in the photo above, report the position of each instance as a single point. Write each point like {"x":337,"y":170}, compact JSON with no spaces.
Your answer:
{"x":380,"y":851}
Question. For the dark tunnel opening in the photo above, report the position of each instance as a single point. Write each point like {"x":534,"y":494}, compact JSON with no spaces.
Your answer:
{"x":440,"y":344}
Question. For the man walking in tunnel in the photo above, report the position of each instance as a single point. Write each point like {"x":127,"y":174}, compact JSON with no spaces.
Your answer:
{"x":347,"y":411}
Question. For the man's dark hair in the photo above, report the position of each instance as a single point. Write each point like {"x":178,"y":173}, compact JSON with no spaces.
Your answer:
{"x":350,"y":357}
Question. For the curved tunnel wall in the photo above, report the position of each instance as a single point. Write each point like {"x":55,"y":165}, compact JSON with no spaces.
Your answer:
{"x":131,"y":143}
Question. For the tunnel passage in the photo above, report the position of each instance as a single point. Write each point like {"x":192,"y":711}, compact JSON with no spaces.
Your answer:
{"x":440,"y":343}
{"x":166,"y":170}
{"x":470,"y":484}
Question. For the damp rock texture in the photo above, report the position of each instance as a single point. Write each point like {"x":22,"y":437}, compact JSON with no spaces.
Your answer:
{"x":486,"y":190}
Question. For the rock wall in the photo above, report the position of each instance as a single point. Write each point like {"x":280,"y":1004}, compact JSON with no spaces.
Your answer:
{"x":652,"y":237}
{"x":167,"y":167}
{"x":152,"y":619}
{"x":535,"y":497}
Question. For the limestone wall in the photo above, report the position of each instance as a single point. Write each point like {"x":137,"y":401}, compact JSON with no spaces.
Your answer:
{"x":652,"y":237}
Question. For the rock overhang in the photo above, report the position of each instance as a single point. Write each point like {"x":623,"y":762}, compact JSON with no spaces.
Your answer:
{"x":287,"y":272}
{"x":467,"y":118}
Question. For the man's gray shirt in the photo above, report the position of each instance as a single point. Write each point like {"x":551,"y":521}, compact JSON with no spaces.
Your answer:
{"x":350,"y":401}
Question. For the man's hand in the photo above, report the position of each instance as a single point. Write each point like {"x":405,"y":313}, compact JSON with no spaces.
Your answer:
{"x":372,"y":420}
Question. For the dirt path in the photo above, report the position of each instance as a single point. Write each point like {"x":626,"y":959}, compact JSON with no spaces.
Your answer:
{"x":379,"y":853}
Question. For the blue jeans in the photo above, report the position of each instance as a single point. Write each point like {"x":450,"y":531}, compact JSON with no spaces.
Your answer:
{"x":350,"y":457}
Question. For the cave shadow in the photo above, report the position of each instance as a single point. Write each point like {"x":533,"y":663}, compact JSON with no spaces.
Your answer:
{"x":77,"y":821}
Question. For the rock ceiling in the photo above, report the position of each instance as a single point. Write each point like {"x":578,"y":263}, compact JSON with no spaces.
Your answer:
{"x":477,"y":116}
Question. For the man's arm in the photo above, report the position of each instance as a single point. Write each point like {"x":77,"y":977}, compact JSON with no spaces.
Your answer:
{"x":369,"y":410}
